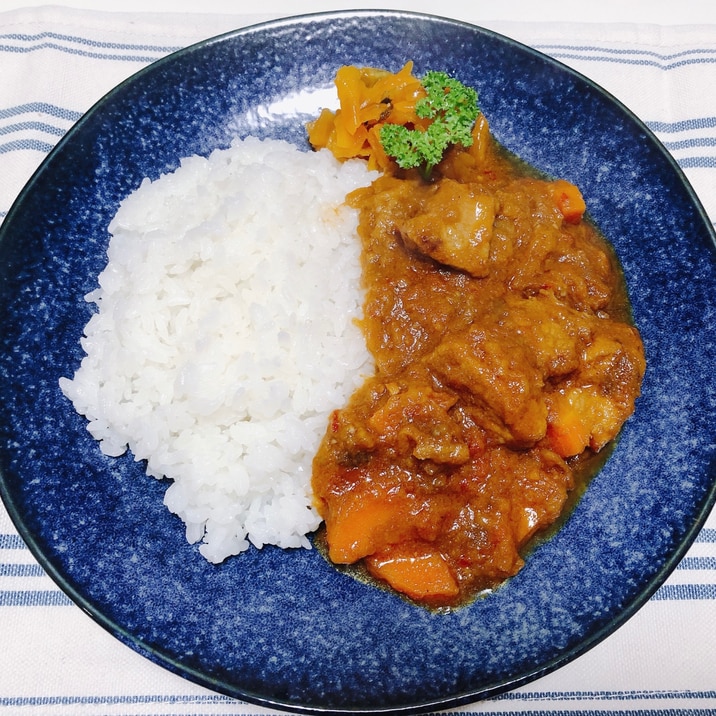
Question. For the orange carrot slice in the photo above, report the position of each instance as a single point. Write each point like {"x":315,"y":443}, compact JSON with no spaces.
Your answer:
{"x":567,"y":431}
{"x":416,"y":570}
{"x":360,"y":524}
{"x":569,"y":200}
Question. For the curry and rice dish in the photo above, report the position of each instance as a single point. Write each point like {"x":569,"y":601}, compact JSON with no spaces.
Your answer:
{"x":423,"y":350}
{"x":504,"y":356}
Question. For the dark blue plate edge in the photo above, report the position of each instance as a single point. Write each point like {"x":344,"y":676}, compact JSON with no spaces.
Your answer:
{"x":154,"y":655}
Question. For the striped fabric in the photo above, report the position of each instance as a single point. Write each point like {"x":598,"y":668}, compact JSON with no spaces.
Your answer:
{"x":54,"y":661}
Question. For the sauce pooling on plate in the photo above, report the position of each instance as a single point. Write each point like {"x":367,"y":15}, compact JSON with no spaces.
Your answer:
{"x":505,"y":360}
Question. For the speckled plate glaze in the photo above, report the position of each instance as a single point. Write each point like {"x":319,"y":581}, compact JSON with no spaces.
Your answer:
{"x":284,"y":628}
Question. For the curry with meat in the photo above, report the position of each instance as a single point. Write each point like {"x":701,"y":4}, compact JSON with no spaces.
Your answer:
{"x":505,"y":359}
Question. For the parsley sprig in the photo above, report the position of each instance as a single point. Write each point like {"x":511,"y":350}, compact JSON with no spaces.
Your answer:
{"x":453,"y":109}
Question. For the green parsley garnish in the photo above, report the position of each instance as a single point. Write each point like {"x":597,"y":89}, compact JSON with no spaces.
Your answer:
{"x":453,"y":109}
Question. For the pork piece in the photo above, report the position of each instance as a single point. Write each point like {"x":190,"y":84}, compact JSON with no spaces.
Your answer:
{"x":507,"y":497}
{"x":589,"y":407}
{"x":540,"y":250}
{"x":413,"y":418}
{"x":453,"y":227}
{"x":591,"y":367}
{"x":535,"y":362}
{"x":555,"y":334}
{"x":494,"y":371}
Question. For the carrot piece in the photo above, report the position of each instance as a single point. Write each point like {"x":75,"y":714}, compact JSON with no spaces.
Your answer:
{"x":567,"y":433}
{"x":359,"y":524}
{"x":569,"y":200}
{"x":416,"y":570}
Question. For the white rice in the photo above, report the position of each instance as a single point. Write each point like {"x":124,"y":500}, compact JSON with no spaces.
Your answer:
{"x":225,"y":336}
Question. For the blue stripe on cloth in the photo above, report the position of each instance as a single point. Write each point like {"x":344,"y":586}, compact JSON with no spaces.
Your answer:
{"x":42,"y":108}
{"x":637,"y":701}
{"x":34,"y":598}
{"x":209,"y":700}
{"x":690,"y":143}
{"x":21,"y":570}
{"x":11,"y":541}
{"x":130,"y":699}
{"x":16,"y":43}
{"x":683,"y":592}
{"x":621,"y":695}
{"x":707,"y":535}
{"x":88,"y":41}
{"x":632,"y":51}
{"x":683,"y":125}
{"x":28,"y":121}
{"x":83,"y":53}
{"x":663,"y":64}
{"x":32,"y":127}
{"x":697,"y":162}
{"x":698,"y":563}
{"x":23,"y":144}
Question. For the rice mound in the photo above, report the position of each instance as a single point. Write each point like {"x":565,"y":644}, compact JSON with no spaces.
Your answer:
{"x":225,"y":335}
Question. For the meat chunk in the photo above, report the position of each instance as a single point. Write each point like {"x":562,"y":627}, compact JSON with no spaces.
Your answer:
{"x":414,"y":419}
{"x":589,"y":408}
{"x":454,"y":227}
{"x":501,"y":376}
{"x":554,"y":333}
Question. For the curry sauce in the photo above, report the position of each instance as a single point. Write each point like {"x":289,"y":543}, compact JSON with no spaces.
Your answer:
{"x":505,"y":361}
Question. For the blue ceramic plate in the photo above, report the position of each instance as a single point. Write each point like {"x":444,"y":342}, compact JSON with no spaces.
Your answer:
{"x":285,"y":628}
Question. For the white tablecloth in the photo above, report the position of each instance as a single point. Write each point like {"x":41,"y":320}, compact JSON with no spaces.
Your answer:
{"x":54,"y":660}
